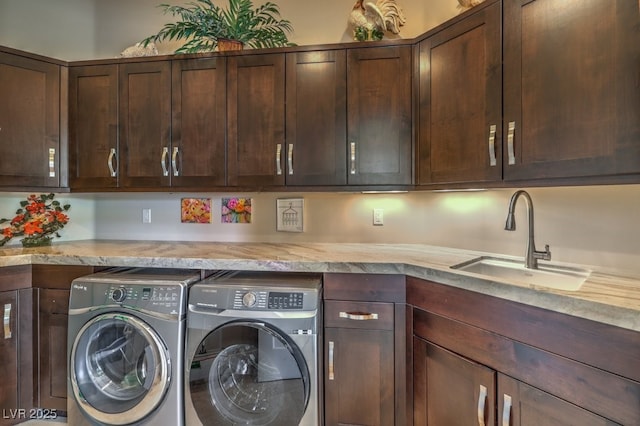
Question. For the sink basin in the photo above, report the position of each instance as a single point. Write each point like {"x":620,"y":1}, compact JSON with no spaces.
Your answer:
{"x":547,"y":275}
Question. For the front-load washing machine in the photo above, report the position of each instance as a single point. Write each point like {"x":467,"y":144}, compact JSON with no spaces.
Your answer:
{"x":126,"y":347}
{"x":252,"y":350}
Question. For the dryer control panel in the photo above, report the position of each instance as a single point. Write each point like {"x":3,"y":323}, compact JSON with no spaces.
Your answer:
{"x":272,"y":300}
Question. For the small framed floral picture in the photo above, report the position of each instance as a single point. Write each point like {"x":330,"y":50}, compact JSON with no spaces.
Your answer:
{"x":195,"y":210}
{"x":236,"y":210}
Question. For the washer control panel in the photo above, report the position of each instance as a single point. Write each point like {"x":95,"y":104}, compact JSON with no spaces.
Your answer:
{"x":272,"y":300}
{"x":157,"y":298}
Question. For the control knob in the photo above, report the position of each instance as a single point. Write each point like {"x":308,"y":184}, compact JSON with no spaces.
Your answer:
{"x":119,"y":294}
{"x":249,"y":299}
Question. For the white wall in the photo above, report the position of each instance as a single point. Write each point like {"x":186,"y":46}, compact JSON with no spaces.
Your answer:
{"x":90,"y":29}
{"x":587,"y":225}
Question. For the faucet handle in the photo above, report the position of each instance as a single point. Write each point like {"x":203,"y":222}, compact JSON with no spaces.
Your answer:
{"x":543,"y":255}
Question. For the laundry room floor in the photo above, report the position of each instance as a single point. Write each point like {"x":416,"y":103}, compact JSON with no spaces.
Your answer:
{"x":57,"y":422}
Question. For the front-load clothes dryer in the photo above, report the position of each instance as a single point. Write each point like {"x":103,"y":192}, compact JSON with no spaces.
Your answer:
{"x":126,"y":347}
{"x":252,"y":350}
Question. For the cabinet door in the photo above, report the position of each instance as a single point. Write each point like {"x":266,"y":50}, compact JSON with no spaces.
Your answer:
{"x":572,"y":96}
{"x":524,"y":405}
{"x":9,"y":355}
{"x":255,"y":120}
{"x":460,"y":115}
{"x":451,"y":390}
{"x":198,"y":138}
{"x":54,"y":310}
{"x":93,"y":126}
{"x":29,"y":122}
{"x":145,"y":124}
{"x":316,"y":118}
{"x":359,"y":360}
{"x":379,"y":149}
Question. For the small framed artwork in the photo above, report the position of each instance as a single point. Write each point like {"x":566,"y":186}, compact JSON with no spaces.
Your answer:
{"x":236,"y":210}
{"x":195,"y":210}
{"x":290,"y":217}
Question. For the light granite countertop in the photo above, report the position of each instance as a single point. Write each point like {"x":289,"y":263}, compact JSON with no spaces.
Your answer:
{"x":607,"y":296}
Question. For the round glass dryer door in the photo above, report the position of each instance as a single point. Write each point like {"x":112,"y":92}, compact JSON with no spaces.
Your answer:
{"x":249,"y":373}
{"x":120,"y":369}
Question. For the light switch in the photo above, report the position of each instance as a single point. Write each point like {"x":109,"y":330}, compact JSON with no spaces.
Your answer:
{"x":378,"y":217}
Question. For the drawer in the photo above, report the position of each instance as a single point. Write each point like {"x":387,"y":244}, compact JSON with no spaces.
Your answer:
{"x":364,"y":315}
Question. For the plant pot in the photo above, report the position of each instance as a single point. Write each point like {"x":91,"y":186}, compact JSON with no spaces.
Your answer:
{"x":227,"y":45}
{"x":36,"y":241}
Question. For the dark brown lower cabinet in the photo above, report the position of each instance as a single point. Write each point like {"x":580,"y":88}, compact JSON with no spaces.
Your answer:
{"x":359,"y":379}
{"x":53,"y":319}
{"x":364,"y":350}
{"x":456,"y":391}
{"x":9,"y":357}
{"x":482,"y":360}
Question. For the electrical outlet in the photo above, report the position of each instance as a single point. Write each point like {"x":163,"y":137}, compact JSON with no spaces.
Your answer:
{"x":378,"y":217}
{"x":146,"y":215}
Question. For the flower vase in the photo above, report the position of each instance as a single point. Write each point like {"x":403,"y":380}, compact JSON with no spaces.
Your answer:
{"x":36,"y":241}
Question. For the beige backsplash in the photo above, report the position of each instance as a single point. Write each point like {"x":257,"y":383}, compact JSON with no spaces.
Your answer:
{"x":597,"y":225}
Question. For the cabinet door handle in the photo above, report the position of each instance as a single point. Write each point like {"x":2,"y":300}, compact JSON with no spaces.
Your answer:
{"x":359,"y":316}
{"x":112,"y":170}
{"x":506,"y":410}
{"x":278,"y":155}
{"x":174,"y":161}
{"x":492,"y":145}
{"x":290,"y":158}
{"x":7,"y":321}
{"x":482,"y":403}
{"x":163,"y":161}
{"x":52,"y":162}
{"x":352,"y":150}
{"x":510,"y":137}
{"x":332,"y":375}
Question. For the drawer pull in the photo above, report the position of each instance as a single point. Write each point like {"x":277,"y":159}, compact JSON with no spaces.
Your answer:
{"x":510,"y":137}
{"x":352,"y":159}
{"x":163,"y":161}
{"x":112,"y":170}
{"x":482,"y":402}
{"x":359,"y":316}
{"x":290,"y":158}
{"x":331,"y":372}
{"x":52,"y":162}
{"x":174,"y":161}
{"x":278,"y":155}
{"x":7,"y":321}
{"x":506,"y":410}
{"x":492,"y":145}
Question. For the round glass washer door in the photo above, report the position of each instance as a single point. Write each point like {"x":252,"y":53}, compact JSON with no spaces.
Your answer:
{"x":249,"y":373}
{"x":120,"y":369}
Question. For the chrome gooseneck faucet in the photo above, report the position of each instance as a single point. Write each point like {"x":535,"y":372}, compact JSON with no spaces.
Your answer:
{"x":532,"y":255}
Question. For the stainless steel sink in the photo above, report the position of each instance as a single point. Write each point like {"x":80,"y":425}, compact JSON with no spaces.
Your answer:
{"x":511,"y":270}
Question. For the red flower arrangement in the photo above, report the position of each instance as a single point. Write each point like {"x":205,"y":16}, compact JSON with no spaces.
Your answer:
{"x":38,"y":220}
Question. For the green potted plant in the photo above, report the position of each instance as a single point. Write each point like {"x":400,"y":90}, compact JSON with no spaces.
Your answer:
{"x":206,"y":26}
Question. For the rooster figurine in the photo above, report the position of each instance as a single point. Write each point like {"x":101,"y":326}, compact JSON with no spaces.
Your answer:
{"x":372,"y":20}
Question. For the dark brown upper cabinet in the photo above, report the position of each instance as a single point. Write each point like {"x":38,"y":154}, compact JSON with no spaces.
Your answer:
{"x":571,"y":92}
{"x":459,"y":121}
{"x":93,"y":126}
{"x":31,"y":151}
{"x":379,"y":116}
{"x":316,"y":116}
{"x":198,"y":132}
{"x":255,"y":120}
{"x":145,"y":124}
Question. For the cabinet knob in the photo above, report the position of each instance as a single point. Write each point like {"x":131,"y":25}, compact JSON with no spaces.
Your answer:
{"x":278,"y":155}
{"x":352,"y":156}
{"x":492,"y":145}
{"x":174,"y":161}
{"x":112,"y":170}
{"x":482,"y":403}
{"x":510,"y":137}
